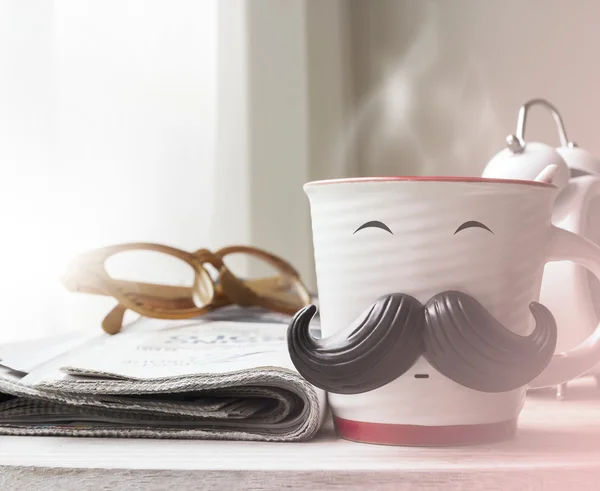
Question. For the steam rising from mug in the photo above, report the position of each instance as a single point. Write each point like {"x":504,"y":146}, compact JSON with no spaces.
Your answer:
{"x":453,"y":331}
{"x":429,"y":103}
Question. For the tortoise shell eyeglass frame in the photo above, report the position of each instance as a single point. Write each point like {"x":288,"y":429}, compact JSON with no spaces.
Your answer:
{"x":284,"y":293}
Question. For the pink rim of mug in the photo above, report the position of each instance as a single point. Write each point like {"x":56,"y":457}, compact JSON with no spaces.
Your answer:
{"x":457,"y":179}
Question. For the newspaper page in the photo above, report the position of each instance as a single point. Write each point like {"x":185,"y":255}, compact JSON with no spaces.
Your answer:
{"x":222,"y":376}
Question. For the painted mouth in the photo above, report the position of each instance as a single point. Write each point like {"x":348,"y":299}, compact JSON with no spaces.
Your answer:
{"x":421,"y":375}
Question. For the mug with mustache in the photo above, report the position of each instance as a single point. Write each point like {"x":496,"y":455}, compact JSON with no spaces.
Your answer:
{"x":428,"y":291}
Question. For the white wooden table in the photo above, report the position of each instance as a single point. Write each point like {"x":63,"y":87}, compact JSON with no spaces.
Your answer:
{"x":557,"y":449}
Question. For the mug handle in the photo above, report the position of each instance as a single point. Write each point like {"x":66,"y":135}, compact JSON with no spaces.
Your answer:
{"x":566,"y":366}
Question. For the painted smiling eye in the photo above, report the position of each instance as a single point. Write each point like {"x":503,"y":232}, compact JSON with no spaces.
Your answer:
{"x":472,"y":224}
{"x":374,"y":224}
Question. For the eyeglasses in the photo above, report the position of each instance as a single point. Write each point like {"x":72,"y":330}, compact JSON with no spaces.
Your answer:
{"x":285,"y":292}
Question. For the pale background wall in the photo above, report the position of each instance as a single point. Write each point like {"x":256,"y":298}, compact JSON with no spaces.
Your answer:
{"x":182,"y":122}
{"x":196,"y":123}
{"x":111,"y":121}
{"x":439,"y":83}
{"x":27,"y":121}
{"x":136,"y":88}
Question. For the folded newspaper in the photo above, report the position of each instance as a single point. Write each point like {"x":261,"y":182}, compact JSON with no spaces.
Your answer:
{"x":226,"y":375}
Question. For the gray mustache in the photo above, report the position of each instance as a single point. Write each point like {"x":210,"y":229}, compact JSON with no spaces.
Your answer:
{"x":453,"y":331}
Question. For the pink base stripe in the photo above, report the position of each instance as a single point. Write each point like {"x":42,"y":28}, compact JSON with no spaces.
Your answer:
{"x":391,"y":434}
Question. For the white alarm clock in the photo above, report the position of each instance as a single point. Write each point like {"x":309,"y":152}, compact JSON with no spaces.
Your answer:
{"x":568,"y":290}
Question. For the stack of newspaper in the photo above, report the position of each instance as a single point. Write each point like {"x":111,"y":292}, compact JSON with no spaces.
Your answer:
{"x":226,"y":375}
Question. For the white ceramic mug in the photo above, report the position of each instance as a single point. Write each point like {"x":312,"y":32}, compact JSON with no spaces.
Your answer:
{"x":384,"y":246}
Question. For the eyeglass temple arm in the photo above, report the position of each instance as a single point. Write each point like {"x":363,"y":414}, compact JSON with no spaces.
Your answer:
{"x":113,"y":322}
